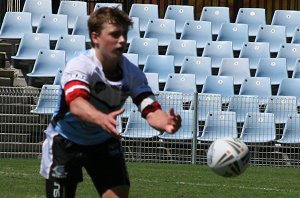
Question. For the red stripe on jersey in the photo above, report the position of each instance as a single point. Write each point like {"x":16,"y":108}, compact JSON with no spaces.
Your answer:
{"x":76,"y":88}
{"x":150,"y":108}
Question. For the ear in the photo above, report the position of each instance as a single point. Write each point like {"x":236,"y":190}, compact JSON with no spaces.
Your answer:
{"x":94,"y":37}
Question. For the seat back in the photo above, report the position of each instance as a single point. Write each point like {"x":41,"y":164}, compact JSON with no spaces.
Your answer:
{"x":153,"y":81}
{"x":287,"y":18}
{"x":219,"y":85}
{"x":180,"y":13}
{"x":134,"y":32}
{"x":290,"y":51}
{"x":291,"y":130}
{"x":144,"y":12}
{"x":258,"y":86}
{"x":81,"y":27}
{"x":208,"y":103}
{"x":113,"y":5}
{"x":184,"y":83}
{"x":133,"y":58}
{"x":37,"y":8}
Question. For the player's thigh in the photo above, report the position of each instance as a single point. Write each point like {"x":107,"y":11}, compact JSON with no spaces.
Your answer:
{"x":116,"y":192}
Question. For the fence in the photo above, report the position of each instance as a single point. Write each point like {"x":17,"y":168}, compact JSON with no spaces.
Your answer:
{"x":269,"y":126}
{"x":234,"y":5}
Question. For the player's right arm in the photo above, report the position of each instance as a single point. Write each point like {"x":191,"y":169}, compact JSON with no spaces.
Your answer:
{"x":77,"y":98}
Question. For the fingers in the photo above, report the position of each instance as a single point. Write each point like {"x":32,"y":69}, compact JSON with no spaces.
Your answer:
{"x":117,"y":112}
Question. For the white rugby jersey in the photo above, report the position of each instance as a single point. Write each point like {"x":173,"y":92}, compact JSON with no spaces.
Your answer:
{"x":105,"y":95}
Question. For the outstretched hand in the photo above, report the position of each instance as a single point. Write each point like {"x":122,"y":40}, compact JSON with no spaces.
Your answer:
{"x":173,"y":122}
{"x":109,"y":123}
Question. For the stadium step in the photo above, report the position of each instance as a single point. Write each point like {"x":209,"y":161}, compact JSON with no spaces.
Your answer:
{"x":19,"y":118}
{"x":15,"y":137}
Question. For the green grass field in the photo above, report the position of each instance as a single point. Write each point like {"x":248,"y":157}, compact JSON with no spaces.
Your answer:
{"x":20,"y":178}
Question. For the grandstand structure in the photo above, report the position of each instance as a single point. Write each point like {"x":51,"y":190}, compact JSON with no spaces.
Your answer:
{"x":248,"y":92}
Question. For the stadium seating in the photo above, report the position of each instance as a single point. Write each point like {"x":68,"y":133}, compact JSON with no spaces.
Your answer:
{"x":153,"y":81}
{"x":254,"y":51}
{"x":200,"y":66}
{"x":291,"y":130}
{"x":184,"y":83}
{"x":144,"y":12}
{"x":258,"y":128}
{"x":134,"y":32}
{"x":289,"y":87}
{"x":161,"y":64}
{"x":296,"y":36}
{"x":133,"y":58}
{"x":162,"y":29}
{"x":179,"y":13}
{"x":254,"y":17}
{"x":37,"y":8}
{"x":200,"y":31}
{"x":274,"y":68}
{"x":72,"y":9}
{"x":236,"y":33}
{"x":243,"y":104}
{"x":53,"y":24}
{"x":169,"y":99}
{"x":81,"y":27}
{"x":290,"y":51}
{"x":296,"y":70}
{"x":275,"y":35}
{"x":216,"y":15}
{"x":208,"y":103}
{"x":47,"y":64}
{"x":47,"y":100}
{"x":181,"y":48}
{"x":281,"y":107}
{"x":15,"y":25}
{"x":238,"y":68}
{"x":287,"y":18}
{"x":30,"y":45}
{"x":113,"y":5}
{"x":218,"y":50}
{"x":57,"y":77}
{"x":70,"y":44}
{"x":214,"y":126}
{"x":143,"y":47}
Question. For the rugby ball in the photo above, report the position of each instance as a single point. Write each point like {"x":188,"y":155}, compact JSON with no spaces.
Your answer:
{"x":228,"y":157}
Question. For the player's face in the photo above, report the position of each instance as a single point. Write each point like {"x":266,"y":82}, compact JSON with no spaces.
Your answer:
{"x":111,"y":42}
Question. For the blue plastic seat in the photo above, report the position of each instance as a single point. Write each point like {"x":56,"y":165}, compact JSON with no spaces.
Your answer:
{"x":208,"y":103}
{"x":81,"y":27}
{"x":187,"y":128}
{"x":296,"y":71}
{"x":57,"y":77}
{"x":219,"y":85}
{"x":184,"y":83}
{"x":113,"y":5}
{"x":72,"y":9}
{"x":162,"y":29}
{"x":15,"y":25}
{"x":200,"y":66}
{"x":219,"y":124}
{"x":200,"y":31}
{"x":274,"y":68}
{"x":236,"y":33}
{"x":287,"y":18}
{"x":169,"y":99}
{"x":143,"y":47}
{"x":37,"y":8}
{"x":138,"y":128}
{"x":290,"y":51}
{"x":238,"y":68}
{"x":133,"y":58}
{"x":289,"y":87}
{"x":180,"y":13}
{"x":258,"y":86}
{"x":181,"y":48}
{"x":47,"y":101}
{"x":296,"y":36}
{"x":134,"y":32}
{"x":254,"y":51}
{"x":258,"y":128}
{"x":30,"y":45}
{"x":53,"y":24}
{"x":242,"y":105}
{"x":291,"y":131}
{"x":216,"y":15}
{"x":153,"y":81}
{"x":254,"y":17}
{"x":161,"y":64}
{"x":47,"y":63}
{"x":217,"y":50}
{"x":281,"y":107}
{"x":275,"y":35}
{"x":144,"y":12}
{"x":70,"y":44}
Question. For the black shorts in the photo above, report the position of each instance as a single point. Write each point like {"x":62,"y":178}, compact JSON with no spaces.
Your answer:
{"x":104,"y":163}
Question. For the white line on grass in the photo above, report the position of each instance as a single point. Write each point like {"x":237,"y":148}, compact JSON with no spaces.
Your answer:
{"x":223,"y":185}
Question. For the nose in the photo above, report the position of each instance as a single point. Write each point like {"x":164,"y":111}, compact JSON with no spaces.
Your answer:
{"x":123,"y":38}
